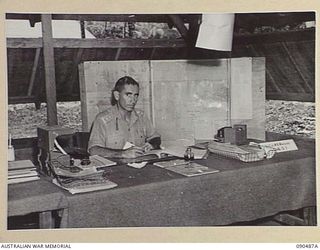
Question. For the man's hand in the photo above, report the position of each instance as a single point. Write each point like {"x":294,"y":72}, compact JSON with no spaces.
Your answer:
{"x":132,"y":152}
{"x":147,"y":147}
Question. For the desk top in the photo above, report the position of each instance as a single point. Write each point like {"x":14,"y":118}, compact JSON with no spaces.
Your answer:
{"x":125,"y":176}
{"x":152,"y":196}
{"x":34,"y":196}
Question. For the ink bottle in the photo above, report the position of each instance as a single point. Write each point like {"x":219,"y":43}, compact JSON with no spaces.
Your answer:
{"x":188,"y":155}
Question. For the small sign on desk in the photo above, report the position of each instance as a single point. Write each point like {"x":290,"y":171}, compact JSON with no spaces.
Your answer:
{"x":281,"y":146}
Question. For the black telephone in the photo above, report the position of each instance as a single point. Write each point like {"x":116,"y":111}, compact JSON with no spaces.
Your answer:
{"x":234,"y":135}
{"x":221,"y":132}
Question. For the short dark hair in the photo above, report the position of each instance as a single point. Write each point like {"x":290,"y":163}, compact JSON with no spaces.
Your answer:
{"x":119,"y":86}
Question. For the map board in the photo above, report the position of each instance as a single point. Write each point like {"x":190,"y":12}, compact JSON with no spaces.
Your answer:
{"x":185,"y":99}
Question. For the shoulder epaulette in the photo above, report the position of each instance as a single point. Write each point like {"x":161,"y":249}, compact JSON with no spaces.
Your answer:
{"x":106,"y":116}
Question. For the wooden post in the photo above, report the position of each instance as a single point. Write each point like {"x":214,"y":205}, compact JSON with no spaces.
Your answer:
{"x":46,"y":220}
{"x":49,"y":67}
{"x":178,"y":22}
{"x":309,"y":216}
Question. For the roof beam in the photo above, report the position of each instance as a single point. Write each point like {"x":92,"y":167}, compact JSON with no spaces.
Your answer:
{"x":21,"y":99}
{"x":39,"y":99}
{"x":302,"y":97}
{"x":95,"y":43}
{"x":243,"y":20}
{"x":117,"y":43}
{"x":301,"y":35}
{"x":24,"y":43}
{"x":154,"y":18}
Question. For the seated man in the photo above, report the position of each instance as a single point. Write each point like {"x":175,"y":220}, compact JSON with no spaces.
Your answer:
{"x":122,"y":123}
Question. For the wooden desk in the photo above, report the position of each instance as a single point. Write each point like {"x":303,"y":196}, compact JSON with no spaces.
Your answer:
{"x":36,"y":196}
{"x":156,"y":197}
{"x":239,"y":192}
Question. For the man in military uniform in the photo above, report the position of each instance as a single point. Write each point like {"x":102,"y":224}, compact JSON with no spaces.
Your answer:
{"x":121,"y":124}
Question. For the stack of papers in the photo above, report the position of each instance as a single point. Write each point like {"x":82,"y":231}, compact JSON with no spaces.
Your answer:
{"x":185,"y":168}
{"x":21,"y":171}
{"x":61,"y":166}
{"x":78,"y":178}
{"x":84,"y":184}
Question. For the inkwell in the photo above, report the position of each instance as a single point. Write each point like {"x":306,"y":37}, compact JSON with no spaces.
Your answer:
{"x":188,"y":156}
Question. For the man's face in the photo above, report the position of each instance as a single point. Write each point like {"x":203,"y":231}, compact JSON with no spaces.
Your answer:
{"x":128,"y":97}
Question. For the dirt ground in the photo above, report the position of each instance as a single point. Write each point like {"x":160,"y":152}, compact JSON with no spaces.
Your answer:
{"x":294,"y":118}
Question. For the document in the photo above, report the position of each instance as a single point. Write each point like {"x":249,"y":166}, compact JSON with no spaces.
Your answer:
{"x":185,"y":168}
{"x":77,"y":186}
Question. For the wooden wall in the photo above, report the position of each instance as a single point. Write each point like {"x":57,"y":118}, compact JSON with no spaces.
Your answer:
{"x":184,"y":98}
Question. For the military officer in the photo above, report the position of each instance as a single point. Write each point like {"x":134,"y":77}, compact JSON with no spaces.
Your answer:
{"x":122,"y":124}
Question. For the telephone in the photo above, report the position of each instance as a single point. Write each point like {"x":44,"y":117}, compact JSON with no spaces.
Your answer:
{"x":221,"y":132}
{"x":235,"y":135}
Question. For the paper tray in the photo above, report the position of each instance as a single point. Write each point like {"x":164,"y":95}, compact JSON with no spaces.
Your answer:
{"x":245,"y":153}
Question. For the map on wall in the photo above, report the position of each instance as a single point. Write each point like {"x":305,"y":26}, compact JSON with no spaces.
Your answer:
{"x":189,"y":103}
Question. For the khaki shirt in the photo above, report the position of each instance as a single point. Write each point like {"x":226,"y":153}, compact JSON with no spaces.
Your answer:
{"x":110,"y":130}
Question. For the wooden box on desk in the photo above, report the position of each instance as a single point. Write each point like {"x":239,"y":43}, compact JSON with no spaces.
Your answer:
{"x":47,"y":135}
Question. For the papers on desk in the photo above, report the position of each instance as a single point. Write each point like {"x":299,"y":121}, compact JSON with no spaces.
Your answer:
{"x":185,"y":168}
{"x":61,"y":166}
{"x":178,"y":148}
{"x":84,"y":184}
{"x":172,"y":148}
{"x":137,"y":165}
{"x":245,"y":153}
{"x":21,"y":171}
{"x":79,"y":178}
{"x":23,"y":179}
